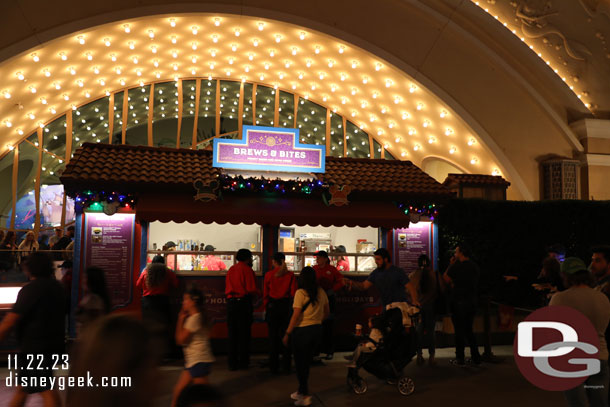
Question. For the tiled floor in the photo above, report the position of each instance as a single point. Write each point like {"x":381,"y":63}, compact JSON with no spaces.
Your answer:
{"x":444,"y":385}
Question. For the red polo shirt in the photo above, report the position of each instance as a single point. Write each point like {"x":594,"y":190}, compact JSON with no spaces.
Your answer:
{"x":240,"y":281}
{"x":343,"y":265}
{"x":170,"y":281}
{"x":329,"y":278}
{"x":278,"y":287}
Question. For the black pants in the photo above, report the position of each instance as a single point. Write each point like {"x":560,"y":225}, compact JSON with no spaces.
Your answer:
{"x":305,"y":341}
{"x":278,"y":318}
{"x":239,"y":321}
{"x":463,"y":319}
{"x":328,"y":325}
{"x":156,"y":315}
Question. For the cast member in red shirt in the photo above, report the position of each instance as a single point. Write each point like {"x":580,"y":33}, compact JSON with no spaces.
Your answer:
{"x":342,"y":263}
{"x":156,"y":281}
{"x":331,"y":281}
{"x":240,"y":287}
{"x":212,"y":262}
{"x":278,"y":291}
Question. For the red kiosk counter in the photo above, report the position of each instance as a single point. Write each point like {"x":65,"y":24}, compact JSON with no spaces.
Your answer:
{"x":132,"y":200}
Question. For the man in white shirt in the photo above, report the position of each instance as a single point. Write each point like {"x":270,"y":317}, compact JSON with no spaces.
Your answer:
{"x":596,"y":307}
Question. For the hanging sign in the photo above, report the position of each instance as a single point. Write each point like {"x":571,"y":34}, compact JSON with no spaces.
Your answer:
{"x":269,"y":149}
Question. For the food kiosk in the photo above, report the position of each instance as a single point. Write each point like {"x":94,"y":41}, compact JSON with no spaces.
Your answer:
{"x":265,"y":192}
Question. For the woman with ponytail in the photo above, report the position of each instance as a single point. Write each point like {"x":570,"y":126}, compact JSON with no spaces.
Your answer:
{"x":310,"y":308}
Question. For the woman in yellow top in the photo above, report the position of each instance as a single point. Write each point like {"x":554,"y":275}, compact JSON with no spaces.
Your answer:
{"x":310,"y":308}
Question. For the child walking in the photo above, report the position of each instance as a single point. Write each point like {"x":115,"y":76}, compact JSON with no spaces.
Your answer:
{"x":193,"y":333}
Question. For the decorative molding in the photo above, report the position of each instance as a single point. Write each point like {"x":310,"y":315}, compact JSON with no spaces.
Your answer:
{"x":600,"y":160}
{"x":591,"y":128}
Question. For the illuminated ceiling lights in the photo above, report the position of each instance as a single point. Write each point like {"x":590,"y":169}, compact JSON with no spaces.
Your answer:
{"x":298,"y":59}
{"x":533,"y":49}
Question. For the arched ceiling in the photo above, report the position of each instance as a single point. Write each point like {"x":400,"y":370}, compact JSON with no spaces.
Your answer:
{"x":411,"y":121}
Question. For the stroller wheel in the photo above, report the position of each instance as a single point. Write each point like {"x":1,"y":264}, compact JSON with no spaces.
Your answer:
{"x":357,"y":384}
{"x":406,"y":386}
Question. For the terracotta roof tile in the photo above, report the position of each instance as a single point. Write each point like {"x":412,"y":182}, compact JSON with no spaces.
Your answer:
{"x":139,"y":166}
{"x":475,"y":179}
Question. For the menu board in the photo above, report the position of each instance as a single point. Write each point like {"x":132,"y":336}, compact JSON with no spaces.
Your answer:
{"x":109,"y":245}
{"x":411,"y":243}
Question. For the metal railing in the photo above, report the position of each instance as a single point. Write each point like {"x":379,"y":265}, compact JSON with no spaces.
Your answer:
{"x":359,"y":262}
{"x":191,"y":262}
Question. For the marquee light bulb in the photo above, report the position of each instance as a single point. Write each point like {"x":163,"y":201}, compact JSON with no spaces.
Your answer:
{"x":6,"y":94}
{"x":36,"y":58}
{"x":378,"y":66}
{"x":317,"y":49}
{"x":106,"y":42}
{"x":354,"y":91}
{"x":278,"y":38}
{"x":31,"y":116}
{"x":135,"y":60}
{"x":80,"y":83}
{"x":443,"y":114}
{"x":113,"y":57}
{"x":20,"y":76}
{"x":431,"y":140}
{"x":403,"y":154}
{"x":341,"y":49}
{"x":172,"y":22}
{"x":175,"y":54}
{"x":471,"y":142}
{"x":474,"y":160}
{"x":302,"y":35}
{"x":287,"y":64}
{"x":126,"y":28}
{"x":255,"y":42}
{"x":57,"y":86}
{"x":153,"y":48}
{"x":32,"y":89}
{"x":343,"y":77}
{"x":217,"y":22}
{"x":215,"y":38}
{"x":388,"y":83}
{"x":420,"y":106}
{"x":237,"y":32}
{"x":294,"y":50}
{"x":448,"y":131}
{"x":63,"y":56}
{"x":412,"y":132}
{"x":375,"y":94}
{"x":426,"y":123}
{"x":46,"y":72}
{"x":151,"y":34}
{"x":496,"y":172}
{"x":247,"y":68}
{"x":8,"y":123}
{"x":261,"y":26}
{"x":452,"y":150}
{"x":412,"y":88}
{"x":416,"y":147}
{"x":156,"y":63}
{"x":405,"y":116}
{"x":131,"y":45}
{"x":52,"y":110}
{"x":365,"y":80}
{"x":363,"y":104}
{"x":173,"y":38}
{"x":233,"y":47}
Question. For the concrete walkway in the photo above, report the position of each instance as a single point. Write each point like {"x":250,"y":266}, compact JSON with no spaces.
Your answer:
{"x":443,"y":385}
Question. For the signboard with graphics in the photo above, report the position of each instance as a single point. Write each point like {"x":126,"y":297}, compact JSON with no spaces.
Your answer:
{"x":109,"y":245}
{"x":412,"y":242}
{"x":269,"y":149}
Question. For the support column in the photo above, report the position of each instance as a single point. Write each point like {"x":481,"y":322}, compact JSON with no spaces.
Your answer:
{"x":594,"y":135}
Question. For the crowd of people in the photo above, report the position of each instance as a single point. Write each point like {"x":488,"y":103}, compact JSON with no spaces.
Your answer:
{"x":13,"y":252}
{"x":298,"y":311}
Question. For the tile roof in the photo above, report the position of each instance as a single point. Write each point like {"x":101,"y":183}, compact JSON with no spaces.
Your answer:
{"x":391,"y":176}
{"x":475,"y":179}
{"x":140,"y":167}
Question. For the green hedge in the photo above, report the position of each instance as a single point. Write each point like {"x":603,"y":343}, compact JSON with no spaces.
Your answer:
{"x":510,"y":237}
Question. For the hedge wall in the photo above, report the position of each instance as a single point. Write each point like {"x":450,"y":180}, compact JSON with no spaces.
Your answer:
{"x":510,"y":237}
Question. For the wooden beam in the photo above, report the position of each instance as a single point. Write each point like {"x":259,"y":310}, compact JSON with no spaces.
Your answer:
{"x":180,"y":103}
{"x":14,"y":186}
{"x":196,"y":118}
{"x":217,"y":127}
{"x":37,"y":183}
{"x":110,"y":117}
{"x":125,"y":115}
{"x":328,"y":117}
{"x":151,"y":114}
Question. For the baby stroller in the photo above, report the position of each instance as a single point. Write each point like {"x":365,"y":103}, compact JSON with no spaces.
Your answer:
{"x":388,"y":360}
